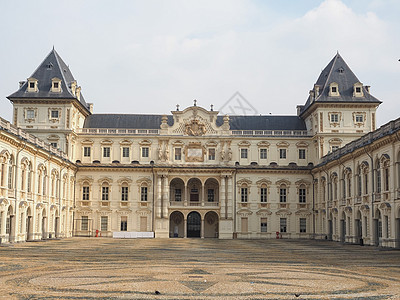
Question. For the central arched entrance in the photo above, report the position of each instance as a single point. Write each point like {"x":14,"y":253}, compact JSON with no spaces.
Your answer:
{"x":193,"y":224}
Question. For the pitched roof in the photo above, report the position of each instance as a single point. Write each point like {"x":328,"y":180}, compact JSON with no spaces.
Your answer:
{"x":136,"y":121}
{"x":51,"y":67}
{"x":339,"y":72}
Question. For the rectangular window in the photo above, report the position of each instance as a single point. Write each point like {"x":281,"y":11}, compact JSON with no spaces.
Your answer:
{"x":359,"y":187}
{"x":283,"y":226}
{"x":302,"y":195}
{"x":55,"y":145}
{"x":145,"y":152}
{"x":366,"y":183}
{"x":245,"y":224}
{"x":282,"y":195}
{"x":302,"y":153}
{"x":334,"y":118}
{"x":243,"y":153}
{"x":84,"y":223}
{"x":359,"y":118}
{"x":178,"y":153}
{"x":124,"y":193}
{"x":303,"y":225}
{"x":386,"y":172}
{"x":143,"y":193}
{"x":334,"y":89}
{"x":243,"y":192}
{"x":263,"y":195}
{"x":210,"y":195}
{"x":125,"y":151}
{"x":85,"y":193}
{"x":30,"y":114}
{"x":211,"y":154}
{"x":31,"y":85}
{"x":124,"y":223}
{"x":334,"y":148}
{"x":358,"y":90}
{"x":106,"y":151}
{"x":54,"y":114}
{"x":86,"y":151}
{"x":104,"y":193}
{"x":104,"y":223}
{"x":263,"y":153}
{"x":178,"y":195}
{"x":55,"y":85}
{"x":282,"y":153}
{"x":263,"y":224}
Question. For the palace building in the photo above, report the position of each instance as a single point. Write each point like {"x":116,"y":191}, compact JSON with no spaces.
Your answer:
{"x":326,"y":173}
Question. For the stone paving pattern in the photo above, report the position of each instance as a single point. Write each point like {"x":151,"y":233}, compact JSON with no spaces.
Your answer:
{"x":101,"y":268}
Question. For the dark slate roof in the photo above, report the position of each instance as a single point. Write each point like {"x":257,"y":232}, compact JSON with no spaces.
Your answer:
{"x":264,"y":122}
{"x":338,"y":71}
{"x":52,"y":66}
{"x":137,"y":121}
{"x":127,"y":121}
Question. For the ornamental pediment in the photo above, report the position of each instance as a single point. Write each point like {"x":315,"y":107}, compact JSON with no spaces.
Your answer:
{"x":244,"y":181}
{"x":263,"y":212}
{"x":263,"y":182}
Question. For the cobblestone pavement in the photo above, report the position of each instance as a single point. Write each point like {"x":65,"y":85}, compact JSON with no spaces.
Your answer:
{"x":100,"y":268}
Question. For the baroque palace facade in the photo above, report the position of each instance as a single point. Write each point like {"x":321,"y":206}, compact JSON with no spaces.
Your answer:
{"x":326,"y":173}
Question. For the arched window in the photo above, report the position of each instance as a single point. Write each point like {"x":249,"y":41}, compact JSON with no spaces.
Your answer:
{"x":44,"y":182}
{"x":378,"y":177}
{"x":29,"y":179}
{"x":359,"y":184}
{"x":11,"y":173}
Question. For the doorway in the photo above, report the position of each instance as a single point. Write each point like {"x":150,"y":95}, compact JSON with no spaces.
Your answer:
{"x":194,"y":224}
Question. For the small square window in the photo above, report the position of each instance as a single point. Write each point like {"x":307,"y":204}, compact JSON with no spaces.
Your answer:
{"x":334,"y":148}
{"x":55,"y":85}
{"x":54,"y":114}
{"x":359,"y":118}
{"x":302,"y":153}
{"x":178,"y":154}
{"x":211,"y":154}
{"x":55,"y":145}
{"x":358,"y":89}
{"x":263,"y":153}
{"x":334,"y":118}
{"x":243,"y":153}
{"x":86,"y":151}
{"x":334,"y":89}
{"x":145,"y":152}
{"x":125,"y":151}
{"x":282,"y":153}
{"x":106,"y":151}
{"x":30,"y":114}
{"x":31,"y":85}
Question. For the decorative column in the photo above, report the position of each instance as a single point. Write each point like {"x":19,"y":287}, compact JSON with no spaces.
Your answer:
{"x":165,"y":196}
{"x":158,"y":206}
{"x":186,"y":195}
{"x":222,"y":198}
{"x":229,"y":195}
{"x":203,"y":200}
{"x":3,"y":223}
{"x":185,"y":227}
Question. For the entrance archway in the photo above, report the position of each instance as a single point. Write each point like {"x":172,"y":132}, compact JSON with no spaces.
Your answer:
{"x":193,"y":224}
{"x":29,"y":225}
{"x":176,"y":225}
{"x":211,"y":224}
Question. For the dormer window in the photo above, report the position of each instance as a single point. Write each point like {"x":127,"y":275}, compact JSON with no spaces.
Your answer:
{"x":334,"y":90}
{"x":357,"y":90}
{"x":32,"y":85}
{"x":56,"y":85}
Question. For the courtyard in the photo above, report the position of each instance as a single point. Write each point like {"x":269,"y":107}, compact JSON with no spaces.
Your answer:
{"x":101,"y":268}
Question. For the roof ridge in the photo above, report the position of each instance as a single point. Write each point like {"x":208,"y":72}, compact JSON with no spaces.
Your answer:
{"x":330,"y":71}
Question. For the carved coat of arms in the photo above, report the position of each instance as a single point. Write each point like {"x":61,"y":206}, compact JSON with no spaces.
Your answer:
{"x":195,"y":128}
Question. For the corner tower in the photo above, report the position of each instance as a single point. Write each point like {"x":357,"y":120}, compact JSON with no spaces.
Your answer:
{"x":339,"y":108}
{"x":50,"y":105}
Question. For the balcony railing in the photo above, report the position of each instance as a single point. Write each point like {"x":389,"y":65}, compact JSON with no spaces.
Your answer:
{"x":118,"y":131}
{"x":269,"y":132}
{"x":193,"y":203}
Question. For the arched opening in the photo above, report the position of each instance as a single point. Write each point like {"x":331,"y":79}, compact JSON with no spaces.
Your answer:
{"x":330,"y":227}
{"x":358,"y":228}
{"x":10,"y":228}
{"x":44,"y":224}
{"x":193,"y":224}
{"x":56,"y":224}
{"x":343,"y":228}
{"x":29,"y":225}
{"x":195,"y":189}
{"x":211,"y":191}
{"x":176,"y":225}
{"x":211,"y":224}
{"x":377,"y":228}
{"x":397,"y":229}
{"x":177,"y":190}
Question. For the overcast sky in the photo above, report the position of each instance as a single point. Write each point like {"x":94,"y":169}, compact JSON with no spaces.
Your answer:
{"x":147,"y":56}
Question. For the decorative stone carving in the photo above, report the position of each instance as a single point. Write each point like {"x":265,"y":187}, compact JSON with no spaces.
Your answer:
{"x":195,"y":128}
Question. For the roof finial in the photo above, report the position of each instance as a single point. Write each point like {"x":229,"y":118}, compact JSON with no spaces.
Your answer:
{"x":53,"y":47}
{"x":177,"y":107}
{"x":212,"y":107}
{"x":194,"y":102}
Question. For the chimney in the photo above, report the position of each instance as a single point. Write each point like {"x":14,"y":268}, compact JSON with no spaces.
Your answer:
{"x":367,"y":87}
